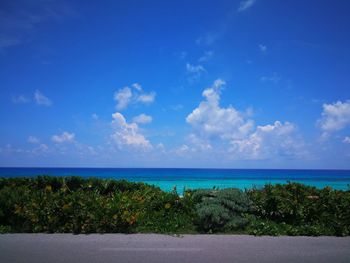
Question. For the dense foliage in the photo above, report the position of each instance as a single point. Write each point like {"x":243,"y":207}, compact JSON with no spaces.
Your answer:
{"x":296,"y":209}
{"x":77,"y":205}
{"x":221,"y":210}
{"x":73,"y":204}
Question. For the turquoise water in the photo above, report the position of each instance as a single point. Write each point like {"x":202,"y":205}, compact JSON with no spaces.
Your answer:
{"x":241,"y":184}
{"x":182,"y":179}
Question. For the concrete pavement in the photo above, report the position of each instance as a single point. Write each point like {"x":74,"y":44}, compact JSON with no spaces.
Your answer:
{"x":168,"y":249}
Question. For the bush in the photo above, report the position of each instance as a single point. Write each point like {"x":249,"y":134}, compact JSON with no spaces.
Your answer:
{"x":309,"y":210}
{"x":221,"y":210}
{"x":167,"y":213}
{"x":77,"y":205}
{"x":92,"y":205}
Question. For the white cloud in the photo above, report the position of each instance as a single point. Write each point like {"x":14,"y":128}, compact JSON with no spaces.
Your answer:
{"x":146,"y":98}
{"x":230,"y":132}
{"x":194,"y":72}
{"x":244,"y":5}
{"x":262,"y":48}
{"x":41,"y":149}
{"x":126,"y":95}
{"x":33,"y":139}
{"x":20,"y":99}
{"x":182,"y":150}
{"x":41,"y":99}
{"x":199,"y":143}
{"x":346,"y":139}
{"x":123,"y":98}
{"x":195,"y":69}
{"x":94,"y":116}
{"x":142,"y":119}
{"x":219,"y":83}
{"x":210,"y":120}
{"x":137,"y":86}
{"x":64,"y":137}
{"x":276,"y":140}
{"x":335,"y":117}
{"x":128,"y":134}
{"x":207,"y":56}
{"x":9,"y":149}
{"x":38,"y":149}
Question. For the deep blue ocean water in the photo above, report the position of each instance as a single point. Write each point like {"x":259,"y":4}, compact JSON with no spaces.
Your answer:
{"x":167,"y":179}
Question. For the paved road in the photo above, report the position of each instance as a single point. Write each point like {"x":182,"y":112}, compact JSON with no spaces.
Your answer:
{"x":168,"y":249}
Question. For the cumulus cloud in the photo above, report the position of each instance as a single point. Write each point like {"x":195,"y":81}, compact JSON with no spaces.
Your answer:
{"x":123,"y":97}
{"x":64,"y":137}
{"x":335,"y":117}
{"x":199,"y":143}
{"x":33,"y":139}
{"x":142,"y":119}
{"x":232,"y":132}
{"x":135,"y":94}
{"x":146,"y":98}
{"x":273,"y":140}
{"x":210,"y":120}
{"x":128,"y":134}
{"x":41,"y":99}
{"x":244,"y":5}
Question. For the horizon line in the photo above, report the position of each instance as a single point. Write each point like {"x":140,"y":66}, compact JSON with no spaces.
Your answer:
{"x":178,"y":168}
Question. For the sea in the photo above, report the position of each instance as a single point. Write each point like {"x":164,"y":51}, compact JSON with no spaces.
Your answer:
{"x":180,"y":179}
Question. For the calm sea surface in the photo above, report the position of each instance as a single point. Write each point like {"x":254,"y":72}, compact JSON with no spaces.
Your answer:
{"x":167,"y":179}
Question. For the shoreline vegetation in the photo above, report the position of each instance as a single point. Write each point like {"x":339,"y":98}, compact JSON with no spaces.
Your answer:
{"x":46,"y":204}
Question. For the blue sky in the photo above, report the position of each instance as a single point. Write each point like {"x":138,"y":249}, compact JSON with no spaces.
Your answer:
{"x":226,"y":84}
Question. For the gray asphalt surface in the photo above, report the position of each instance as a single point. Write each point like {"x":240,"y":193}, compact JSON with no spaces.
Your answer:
{"x":168,"y":249}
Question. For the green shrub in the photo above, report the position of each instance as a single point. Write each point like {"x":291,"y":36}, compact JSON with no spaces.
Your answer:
{"x":266,"y":227}
{"x":167,"y":213}
{"x":5,"y":229}
{"x":93,"y":205}
{"x":319,"y":212}
{"x":77,"y":205}
{"x":221,"y":210}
